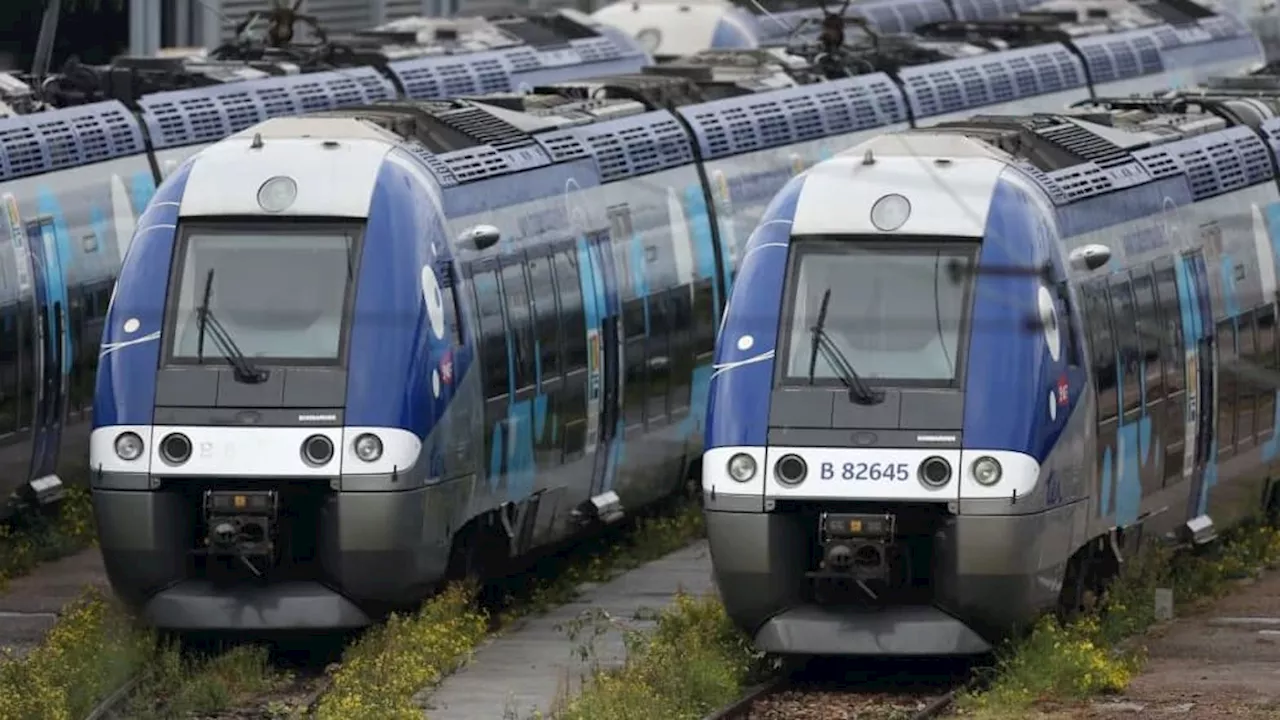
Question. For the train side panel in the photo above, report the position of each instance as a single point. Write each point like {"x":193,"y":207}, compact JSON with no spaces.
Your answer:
{"x":63,"y":234}
{"x":1189,"y":290}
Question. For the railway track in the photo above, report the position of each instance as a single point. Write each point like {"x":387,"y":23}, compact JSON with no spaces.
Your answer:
{"x":862,"y":689}
{"x":297,"y":665}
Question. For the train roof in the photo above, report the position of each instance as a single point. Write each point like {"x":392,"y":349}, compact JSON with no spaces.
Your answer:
{"x":717,"y":95}
{"x":425,"y":56}
{"x":1125,"y":142}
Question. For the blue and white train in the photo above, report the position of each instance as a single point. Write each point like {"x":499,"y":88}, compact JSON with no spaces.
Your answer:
{"x":966,"y":369}
{"x":74,"y":180}
{"x":353,"y":353}
{"x":672,"y":29}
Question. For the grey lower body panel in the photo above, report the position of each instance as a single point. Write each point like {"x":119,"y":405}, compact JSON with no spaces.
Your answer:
{"x":374,"y":551}
{"x":988,"y":578}
{"x":195,"y":605}
{"x":904,"y":631}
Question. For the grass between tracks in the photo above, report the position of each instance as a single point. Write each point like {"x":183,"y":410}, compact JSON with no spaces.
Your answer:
{"x":95,"y":645}
{"x":693,"y":661}
{"x":1088,"y":656}
{"x":38,"y":536}
{"x":696,"y":661}
{"x":383,"y":670}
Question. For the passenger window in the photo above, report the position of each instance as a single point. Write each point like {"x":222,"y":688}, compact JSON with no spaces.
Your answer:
{"x":26,"y":364}
{"x":1102,"y":348}
{"x":705,"y":320}
{"x":449,"y":302}
{"x":547,"y":315}
{"x":1226,"y":345}
{"x":1265,"y":354}
{"x":493,"y":336}
{"x":572,"y":314}
{"x":634,"y":393}
{"x":658,"y":357}
{"x":9,"y":358}
{"x":1128,"y":351}
{"x":1171,"y":331}
{"x":1150,"y":332}
{"x":633,"y":318}
{"x":519,"y":323}
{"x":1267,"y":348}
{"x":681,"y":375}
{"x":1246,"y":388}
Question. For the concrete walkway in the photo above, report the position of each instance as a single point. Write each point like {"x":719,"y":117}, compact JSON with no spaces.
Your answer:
{"x":29,"y":605}
{"x":535,"y":663}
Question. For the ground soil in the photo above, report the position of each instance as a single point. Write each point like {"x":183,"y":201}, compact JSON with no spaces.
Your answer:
{"x":1200,"y":668}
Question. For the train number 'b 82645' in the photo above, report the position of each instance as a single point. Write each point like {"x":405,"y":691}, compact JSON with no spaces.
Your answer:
{"x":865,"y":471}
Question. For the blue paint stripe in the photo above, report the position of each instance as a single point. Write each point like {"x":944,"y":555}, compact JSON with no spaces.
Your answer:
{"x":703,"y":250}
{"x":1229,"y":285}
{"x":55,"y":272}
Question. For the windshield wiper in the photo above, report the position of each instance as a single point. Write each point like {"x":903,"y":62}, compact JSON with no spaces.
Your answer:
{"x":244,"y":370}
{"x":859,"y":392}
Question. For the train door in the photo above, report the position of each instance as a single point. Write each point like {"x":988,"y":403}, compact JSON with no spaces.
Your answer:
{"x":603,"y":391}
{"x":1200,"y":375}
{"x":50,"y":352}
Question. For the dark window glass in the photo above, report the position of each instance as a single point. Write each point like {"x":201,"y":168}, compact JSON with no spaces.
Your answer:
{"x":1150,"y":332}
{"x":681,"y":347}
{"x":635,"y":390}
{"x":1129,"y":353}
{"x":547,"y":315}
{"x":1171,"y":332}
{"x":1101,"y":347}
{"x":633,"y":318}
{"x":1226,"y":346}
{"x":493,"y":345}
{"x":1265,"y":319}
{"x":1246,"y":387}
{"x":26,"y":365}
{"x":10,"y":348}
{"x":1267,"y":346}
{"x":704,"y":317}
{"x":572,"y":314}
{"x":1071,"y":325}
{"x":659,"y":356}
{"x":519,"y":324}
{"x":449,"y":302}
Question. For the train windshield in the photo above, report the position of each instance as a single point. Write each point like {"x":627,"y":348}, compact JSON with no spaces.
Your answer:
{"x":279,"y":292}
{"x":895,"y":312}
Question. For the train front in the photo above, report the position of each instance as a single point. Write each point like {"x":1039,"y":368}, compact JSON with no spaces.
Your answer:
{"x":891,"y":421}
{"x":270,"y":375}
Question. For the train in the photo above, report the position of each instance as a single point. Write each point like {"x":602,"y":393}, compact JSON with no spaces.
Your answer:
{"x":1053,"y":336}
{"x":674,"y":28}
{"x":356,"y":353}
{"x":670,"y":29}
{"x":75,"y":177}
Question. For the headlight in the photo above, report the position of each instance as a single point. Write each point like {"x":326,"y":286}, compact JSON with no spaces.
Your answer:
{"x":175,"y":448}
{"x":791,"y":469}
{"x":986,"y":470}
{"x":935,"y":471}
{"x":317,"y":450}
{"x":742,"y":467}
{"x":368,"y":447}
{"x":128,"y":446}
